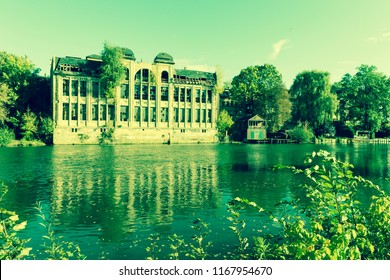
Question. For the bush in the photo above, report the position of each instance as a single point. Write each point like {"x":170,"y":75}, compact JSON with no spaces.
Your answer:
{"x":6,"y":136}
{"x":45,"y":130}
{"x":302,"y":134}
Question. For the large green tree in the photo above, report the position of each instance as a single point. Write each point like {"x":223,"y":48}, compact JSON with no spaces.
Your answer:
{"x":313,"y":101}
{"x":259,"y":90}
{"x":364,"y":98}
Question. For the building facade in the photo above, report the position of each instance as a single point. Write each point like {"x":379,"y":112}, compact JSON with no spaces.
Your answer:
{"x":156,"y":103}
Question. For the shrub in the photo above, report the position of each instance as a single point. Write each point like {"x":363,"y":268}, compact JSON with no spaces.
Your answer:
{"x":302,"y":134}
{"x":6,"y":136}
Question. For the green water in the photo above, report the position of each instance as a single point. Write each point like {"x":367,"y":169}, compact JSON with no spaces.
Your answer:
{"x":110,"y":199}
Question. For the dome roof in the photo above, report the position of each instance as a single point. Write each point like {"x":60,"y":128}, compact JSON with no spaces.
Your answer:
{"x":128,"y":54}
{"x":164,"y":58}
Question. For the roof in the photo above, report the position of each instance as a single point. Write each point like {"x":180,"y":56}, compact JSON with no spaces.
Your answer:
{"x":78,"y":65}
{"x":194,"y":74}
{"x":164,"y":58}
{"x":128,"y":54}
{"x":256,"y":118}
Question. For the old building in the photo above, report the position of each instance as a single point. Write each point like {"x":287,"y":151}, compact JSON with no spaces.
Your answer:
{"x":156,"y":103}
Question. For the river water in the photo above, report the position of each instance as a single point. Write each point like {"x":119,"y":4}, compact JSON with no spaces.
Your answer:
{"x":110,"y":199}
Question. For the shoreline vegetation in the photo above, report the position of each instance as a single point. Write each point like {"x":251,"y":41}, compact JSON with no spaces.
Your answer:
{"x":335,"y":225}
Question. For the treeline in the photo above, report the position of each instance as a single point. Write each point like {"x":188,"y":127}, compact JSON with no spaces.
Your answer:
{"x":313,"y":106}
{"x":25,"y":110}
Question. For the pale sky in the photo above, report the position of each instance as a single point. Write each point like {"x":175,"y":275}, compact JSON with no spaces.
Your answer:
{"x":294,"y":35}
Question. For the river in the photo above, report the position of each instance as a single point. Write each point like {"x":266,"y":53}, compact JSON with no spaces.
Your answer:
{"x":110,"y":199}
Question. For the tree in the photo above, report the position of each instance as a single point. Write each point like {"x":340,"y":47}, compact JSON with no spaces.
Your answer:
{"x":112,"y":70}
{"x":7,"y":99}
{"x":224,"y":123}
{"x":312,"y":100}
{"x":259,"y":90}
{"x":364,"y":98}
{"x":29,"y":125}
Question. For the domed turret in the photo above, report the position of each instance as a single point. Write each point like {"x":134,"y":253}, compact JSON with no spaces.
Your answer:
{"x":164,"y":58}
{"x":128,"y":54}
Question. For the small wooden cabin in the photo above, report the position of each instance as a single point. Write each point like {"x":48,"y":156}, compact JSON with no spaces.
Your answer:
{"x":256,"y":129}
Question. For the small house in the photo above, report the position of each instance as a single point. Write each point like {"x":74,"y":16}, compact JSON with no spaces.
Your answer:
{"x":256,"y":129}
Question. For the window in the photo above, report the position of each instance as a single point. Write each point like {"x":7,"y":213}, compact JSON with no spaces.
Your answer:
{"x":145,"y":93}
{"x":83,"y":112}
{"x":145,"y":115}
{"x":209,"y":116}
{"x":153,"y":114}
{"x":182,"y":115}
{"x":65,"y":87}
{"x":209,"y":96}
{"x":111,"y":112}
{"x":65,"y":111}
{"x":124,"y":91}
{"x":95,"y":112}
{"x":145,"y":75}
{"x":74,"y":112}
{"x":152,"y":93}
{"x":204,"y":116}
{"x":176,"y":115}
{"x":182,"y":94}
{"x":102,"y":113}
{"x":164,"y":77}
{"x":137,"y":116}
{"x":164,"y":114}
{"x":164,"y":93}
{"x":188,"y":115}
{"x":124,"y":113}
{"x":197,"y":116}
{"x":74,"y":129}
{"x":197,"y":99}
{"x":95,"y":89}
{"x":137,"y":91}
{"x":204,"y":96}
{"x":83,"y":88}
{"x":176,"y":94}
{"x":188,"y":95}
{"x":75,"y":87}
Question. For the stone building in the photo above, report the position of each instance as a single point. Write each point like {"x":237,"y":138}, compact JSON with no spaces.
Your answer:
{"x":156,"y":103}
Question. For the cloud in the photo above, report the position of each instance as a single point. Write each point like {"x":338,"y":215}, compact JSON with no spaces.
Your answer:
{"x":383,"y":37}
{"x":277,"y":48}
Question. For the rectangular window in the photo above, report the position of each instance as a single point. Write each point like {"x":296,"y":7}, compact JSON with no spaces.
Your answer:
{"x":188,"y":95}
{"x":197,"y":116}
{"x":176,"y":94}
{"x":95,"y":112}
{"x":102,"y":113}
{"x":188,"y":115}
{"x":95,"y":89}
{"x":176,"y":114}
{"x":74,"y":112}
{"x":137,"y":113}
{"x":182,"y":94}
{"x":152,"y":114}
{"x":145,"y":93}
{"x":145,"y":114}
{"x":209,"y":95}
{"x":164,"y":114}
{"x":182,"y":115}
{"x":124,"y":91}
{"x":209,"y":116}
{"x":83,"y":112}
{"x":197,"y":99}
{"x":65,"y":111}
{"x":83,"y":88}
{"x":204,"y":96}
{"x":65,"y":87}
{"x":124,"y":113}
{"x":152,"y":93}
{"x":204,"y":116}
{"x":111,"y":112}
{"x":164,"y":93}
{"x":137,"y":92}
{"x":75,"y":87}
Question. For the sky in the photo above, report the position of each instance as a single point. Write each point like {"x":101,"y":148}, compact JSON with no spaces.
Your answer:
{"x":293,"y":35}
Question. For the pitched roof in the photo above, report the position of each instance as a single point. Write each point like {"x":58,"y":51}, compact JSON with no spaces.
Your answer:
{"x":256,"y":118}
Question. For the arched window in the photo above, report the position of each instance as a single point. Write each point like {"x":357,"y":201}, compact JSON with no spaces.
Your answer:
{"x":164,"y":77}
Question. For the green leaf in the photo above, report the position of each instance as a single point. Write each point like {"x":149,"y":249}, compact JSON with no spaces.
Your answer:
{"x":20,"y":226}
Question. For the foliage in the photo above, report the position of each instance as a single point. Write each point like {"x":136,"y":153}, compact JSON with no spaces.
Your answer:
{"x":106,"y":136}
{"x":56,"y":248}
{"x":7,"y":99}
{"x":302,"y":134}
{"x":112,"y":70}
{"x":364,"y":98}
{"x":12,"y":247}
{"x":6,"y":136}
{"x":198,"y":248}
{"x":259,"y":90}
{"x":224,"y":123}
{"x":312,"y":100}
{"x":45,"y":130}
{"x":29,"y":125}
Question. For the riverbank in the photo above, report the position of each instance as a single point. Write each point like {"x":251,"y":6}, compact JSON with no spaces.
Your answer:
{"x":25,"y":143}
